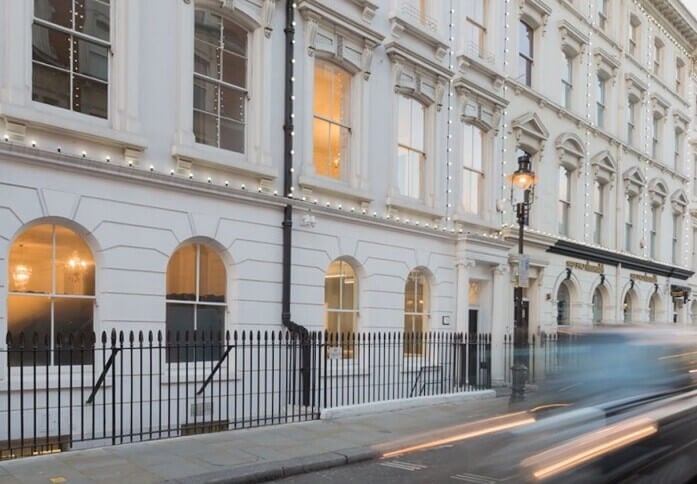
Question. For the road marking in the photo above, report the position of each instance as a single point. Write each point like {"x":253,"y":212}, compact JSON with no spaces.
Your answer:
{"x":405,"y":466}
{"x":474,"y":478}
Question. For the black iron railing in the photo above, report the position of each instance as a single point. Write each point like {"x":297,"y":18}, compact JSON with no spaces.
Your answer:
{"x":78,"y":390}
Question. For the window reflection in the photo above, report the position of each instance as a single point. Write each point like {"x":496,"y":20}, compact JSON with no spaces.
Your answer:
{"x":340,"y":289}
{"x":415,"y":312}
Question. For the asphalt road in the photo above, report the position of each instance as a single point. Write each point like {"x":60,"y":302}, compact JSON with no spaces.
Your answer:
{"x":496,"y":458}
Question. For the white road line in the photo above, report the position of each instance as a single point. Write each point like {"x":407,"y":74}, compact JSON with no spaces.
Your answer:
{"x":474,"y":478}
{"x":405,"y":466}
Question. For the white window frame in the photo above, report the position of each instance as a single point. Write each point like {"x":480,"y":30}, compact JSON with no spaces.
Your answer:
{"x":476,"y":26}
{"x":600,"y":101}
{"x":653,"y":231}
{"x":629,"y":221}
{"x":675,"y":240}
{"x":601,"y":6}
{"x":53,"y":295}
{"x":656,"y":129}
{"x":634,"y":26}
{"x":599,"y":211}
{"x":564,"y":202}
{"x":424,"y":314}
{"x":196,"y":303}
{"x":339,"y":311}
{"x":406,"y":185}
{"x":469,"y":170}
{"x":73,"y":35}
{"x":528,"y":58}
{"x":678,"y":148}
{"x":567,"y":80}
{"x":631,"y":120}
{"x":657,"y":56}
{"x":220,"y":83}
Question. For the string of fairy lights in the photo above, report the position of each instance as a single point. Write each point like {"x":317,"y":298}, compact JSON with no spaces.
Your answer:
{"x":654,"y":28}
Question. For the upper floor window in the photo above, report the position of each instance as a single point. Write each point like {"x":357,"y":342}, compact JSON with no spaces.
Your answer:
{"x":475,"y":26}
{"x":525,"y":53}
{"x":634,"y":25}
{"x":655,"y":135}
{"x":70,"y":55}
{"x":694,"y":247}
{"x":473,"y":172}
{"x":675,"y":245}
{"x":51,"y":294}
{"x":602,"y":13}
{"x":628,"y":223}
{"x":564,"y":200}
{"x":220,"y":82}
{"x":415,"y":312}
{"x":657,"y":56}
{"x":341,"y":305}
{"x":631,"y":120}
{"x":679,"y":75}
{"x":411,"y":154}
{"x":678,"y":148}
{"x":653,"y":231}
{"x":567,"y":80}
{"x":332,"y":125}
{"x":600,"y":101}
{"x":598,"y":211}
{"x":195,"y":300}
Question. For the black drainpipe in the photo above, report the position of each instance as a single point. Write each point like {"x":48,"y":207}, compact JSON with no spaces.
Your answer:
{"x":296,"y":329}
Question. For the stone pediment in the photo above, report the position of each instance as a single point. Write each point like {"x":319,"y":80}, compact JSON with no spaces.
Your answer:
{"x":604,"y":167}
{"x":657,"y":191}
{"x":570,"y":150}
{"x":572,"y":39}
{"x":634,"y":181}
{"x":679,"y":201}
{"x":530,"y":132}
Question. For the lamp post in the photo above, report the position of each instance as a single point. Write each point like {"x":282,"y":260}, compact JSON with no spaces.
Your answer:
{"x":523,"y":179}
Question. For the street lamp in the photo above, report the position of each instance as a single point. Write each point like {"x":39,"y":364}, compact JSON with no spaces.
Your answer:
{"x":522,"y":179}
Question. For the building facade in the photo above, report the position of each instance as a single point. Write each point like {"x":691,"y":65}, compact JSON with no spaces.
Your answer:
{"x":142,"y":165}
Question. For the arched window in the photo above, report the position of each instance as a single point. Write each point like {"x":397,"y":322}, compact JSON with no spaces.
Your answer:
{"x":51,"y":291}
{"x":332,"y":123}
{"x":341,"y":303}
{"x":415,"y":311}
{"x":196,"y":287}
{"x":563,"y":304}
{"x":653,"y":308}
{"x":70,"y":55}
{"x":220,"y":81}
{"x":627,"y":316}
{"x":597,"y":304}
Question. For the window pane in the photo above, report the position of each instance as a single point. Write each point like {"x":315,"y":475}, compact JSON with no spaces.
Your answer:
{"x":205,"y":128}
{"x":205,"y":96}
{"x":56,"y":11}
{"x":402,"y":170}
{"x":232,"y":103}
{"x":31,"y":260}
{"x":207,"y":27}
{"x":321,"y":146}
{"x":92,"y":18}
{"x":417,"y":125}
{"x":50,"y":46}
{"x":28,"y":315}
{"x":231,"y":135}
{"x":323,"y":91}
{"x":74,"y":317}
{"x":74,"y":264}
{"x":525,"y":39}
{"x":180,"y":318}
{"x":206,"y":59}
{"x":90,"y":97}
{"x":210,"y":319}
{"x":404,"y":121}
{"x":234,"y":69}
{"x":181,"y":274}
{"x":410,"y":294}
{"x":341,"y":97}
{"x":234,"y":38}
{"x":338,"y":147}
{"x":332,"y":286}
{"x":348,"y":288}
{"x":211,"y":276}
{"x":50,"y":86}
{"x":90,"y":59}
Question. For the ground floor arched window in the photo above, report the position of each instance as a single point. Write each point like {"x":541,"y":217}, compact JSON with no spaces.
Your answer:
{"x":563,"y":304}
{"x":597,"y":305}
{"x":51,"y":296}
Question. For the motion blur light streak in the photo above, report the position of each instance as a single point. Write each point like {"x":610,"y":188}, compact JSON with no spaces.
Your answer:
{"x":569,"y":453}
{"x":548,"y":406}
{"x":525,"y":420}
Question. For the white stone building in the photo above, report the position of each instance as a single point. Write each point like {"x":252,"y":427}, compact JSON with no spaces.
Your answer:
{"x":142,"y":168}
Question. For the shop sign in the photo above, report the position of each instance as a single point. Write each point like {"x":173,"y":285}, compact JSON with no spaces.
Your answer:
{"x":644,"y":277}
{"x":585,"y":266}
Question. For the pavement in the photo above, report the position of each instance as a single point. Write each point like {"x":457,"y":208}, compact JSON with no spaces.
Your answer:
{"x":257,"y":454}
